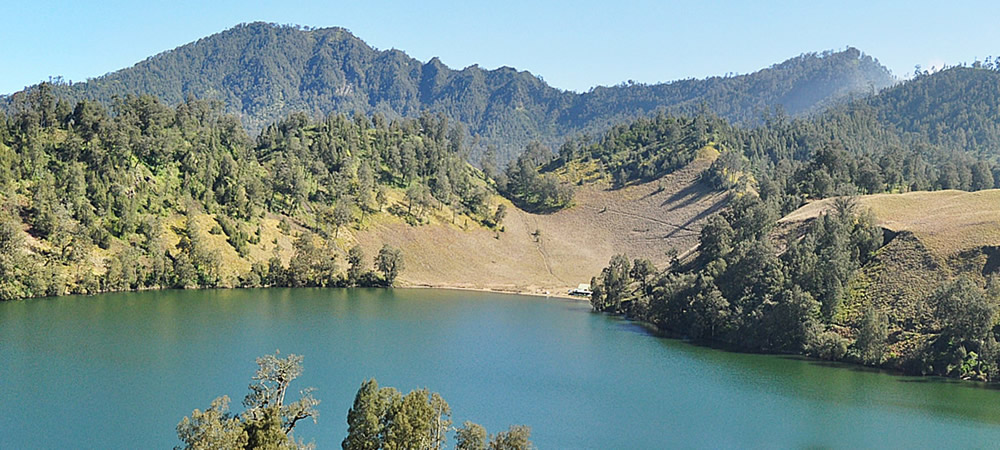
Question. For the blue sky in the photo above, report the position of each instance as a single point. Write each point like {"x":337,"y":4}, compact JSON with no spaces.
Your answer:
{"x":573,"y":44}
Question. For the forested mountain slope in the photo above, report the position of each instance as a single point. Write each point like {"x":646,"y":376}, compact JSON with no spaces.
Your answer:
{"x":904,"y":278}
{"x":150,"y":196}
{"x":153,"y":196}
{"x":958,"y":107}
{"x":263,"y":72}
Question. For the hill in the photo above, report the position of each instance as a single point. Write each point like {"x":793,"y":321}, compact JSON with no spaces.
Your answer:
{"x":931,"y":238}
{"x":263,"y":72}
{"x":551,"y":253}
{"x":155,"y":196}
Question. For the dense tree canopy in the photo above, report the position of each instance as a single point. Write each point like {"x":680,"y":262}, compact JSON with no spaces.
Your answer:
{"x":126,"y":180}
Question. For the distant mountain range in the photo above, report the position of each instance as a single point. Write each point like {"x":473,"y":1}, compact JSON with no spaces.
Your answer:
{"x":263,"y":72}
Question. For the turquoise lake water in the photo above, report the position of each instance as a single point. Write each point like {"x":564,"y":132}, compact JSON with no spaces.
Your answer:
{"x":120,"y":370}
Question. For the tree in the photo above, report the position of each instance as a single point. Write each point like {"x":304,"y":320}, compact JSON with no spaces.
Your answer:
{"x":267,"y":393}
{"x":213,"y":429}
{"x":364,"y":419}
{"x":341,"y":215}
{"x":642,"y":269}
{"x":311,"y":265}
{"x":471,"y":436}
{"x":381,"y":197}
{"x":382,"y":418}
{"x":612,"y":285}
{"x":515,"y":438}
{"x":716,"y":239}
{"x":965,"y":310}
{"x":418,"y":196}
{"x":204,"y":262}
{"x":872,"y":334}
{"x":409,"y":422}
{"x":440,"y":421}
{"x":13,"y":261}
{"x":356,"y":264}
{"x":499,"y":215}
{"x":268,"y":421}
{"x":390,"y":262}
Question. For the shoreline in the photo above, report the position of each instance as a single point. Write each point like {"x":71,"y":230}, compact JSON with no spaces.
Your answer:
{"x":508,"y":291}
{"x":511,"y":291}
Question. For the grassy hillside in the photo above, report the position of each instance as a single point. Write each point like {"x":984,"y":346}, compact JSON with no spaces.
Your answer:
{"x":947,"y":222}
{"x":932,"y":238}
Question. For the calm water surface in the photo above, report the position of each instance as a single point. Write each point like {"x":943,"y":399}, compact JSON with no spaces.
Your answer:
{"x":120,"y":370}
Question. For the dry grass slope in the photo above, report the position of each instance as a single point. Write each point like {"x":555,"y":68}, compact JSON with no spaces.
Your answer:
{"x":570,"y":246}
{"x":947,"y":222}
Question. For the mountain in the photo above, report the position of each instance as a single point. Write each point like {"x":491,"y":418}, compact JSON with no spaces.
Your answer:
{"x":958,"y":108}
{"x":263,"y":72}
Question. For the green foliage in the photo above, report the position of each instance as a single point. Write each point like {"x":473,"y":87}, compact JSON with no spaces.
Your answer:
{"x":471,"y":436}
{"x":15,"y":266}
{"x":966,"y":346}
{"x":515,"y":438}
{"x":356,"y":262}
{"x":312,"y":265}
{"x":267,"y":422}
{"x":870,"y":344}
{"x":647,"y":149}
{"x":610,"y":288}
{"x":530,"y":189}
{"x":364,"y":419}
{"x":739,"y":291}
{"x":966,"y":311}
{"x":384,"y":418}
{"x":90,"y":177}
{"x":215,"y":428}
{"x":390,"y":262}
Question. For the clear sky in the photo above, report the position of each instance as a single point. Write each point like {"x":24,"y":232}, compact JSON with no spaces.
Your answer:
{"x":572,"y":44}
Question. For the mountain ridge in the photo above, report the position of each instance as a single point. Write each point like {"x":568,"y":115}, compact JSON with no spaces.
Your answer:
{"x":263,"y":72}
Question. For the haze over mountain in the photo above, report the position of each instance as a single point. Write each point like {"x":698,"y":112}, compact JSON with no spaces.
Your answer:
{"x":263,"y":72}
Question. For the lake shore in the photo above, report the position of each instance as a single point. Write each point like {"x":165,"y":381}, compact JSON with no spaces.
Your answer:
{"x":560,"y":293}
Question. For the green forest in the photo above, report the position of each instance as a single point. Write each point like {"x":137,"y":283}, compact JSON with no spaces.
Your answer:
{"x":140,"y":196}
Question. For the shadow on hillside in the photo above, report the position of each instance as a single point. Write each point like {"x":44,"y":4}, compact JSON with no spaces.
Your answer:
{"x":685,"y":197}
{"x":701,"y":215}
{"x":534,"y":208}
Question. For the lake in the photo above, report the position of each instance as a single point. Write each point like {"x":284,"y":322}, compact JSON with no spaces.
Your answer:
{"x":120,"y":370}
